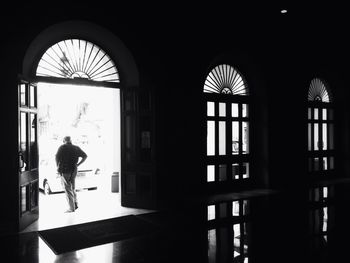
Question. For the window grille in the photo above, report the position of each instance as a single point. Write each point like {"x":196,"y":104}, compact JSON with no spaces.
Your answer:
{"x":225,"y":79}
{"x":77,"y":58}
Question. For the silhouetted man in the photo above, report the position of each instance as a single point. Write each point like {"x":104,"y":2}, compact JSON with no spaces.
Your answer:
{"x":67,"y":161}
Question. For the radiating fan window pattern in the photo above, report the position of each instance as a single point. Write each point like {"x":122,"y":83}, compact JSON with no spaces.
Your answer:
{"x":77,"y":58}
{"x":318,"y":91}
{"x":226,"y":80}
{"x":320,"y":129}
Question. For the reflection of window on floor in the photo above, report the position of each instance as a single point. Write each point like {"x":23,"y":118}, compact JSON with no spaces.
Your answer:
{"x":240,"y":243}
{"x":320,"y":128}
{"x":228,"y":210}
{"x":227,"y":121}
{"x":320,"y":215}
{"x":228,"y":228}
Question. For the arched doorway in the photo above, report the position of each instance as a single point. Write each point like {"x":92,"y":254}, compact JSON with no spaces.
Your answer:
{"x":83,"y":54}
{"x":321,"y":152}
{"x":228,"y":153}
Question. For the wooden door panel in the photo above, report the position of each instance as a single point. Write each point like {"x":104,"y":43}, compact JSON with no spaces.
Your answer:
{"x":138,"y":165}
{"x":28,"y":154}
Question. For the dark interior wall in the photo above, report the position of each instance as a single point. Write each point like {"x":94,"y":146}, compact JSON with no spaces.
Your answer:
{"x":9,"y":151}
{"x":174,"y":48}
{"x":203,"y":42}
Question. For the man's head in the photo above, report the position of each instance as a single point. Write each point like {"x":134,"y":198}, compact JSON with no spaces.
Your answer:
{"x":67,"y":139}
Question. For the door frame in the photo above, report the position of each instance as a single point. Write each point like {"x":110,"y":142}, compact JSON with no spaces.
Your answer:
{"x":27,"y":155}
{"x":117,"y":51}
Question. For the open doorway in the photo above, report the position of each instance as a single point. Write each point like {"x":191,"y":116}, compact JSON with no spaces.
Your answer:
{"x":91,"y":116}
{"x":76,"y":57}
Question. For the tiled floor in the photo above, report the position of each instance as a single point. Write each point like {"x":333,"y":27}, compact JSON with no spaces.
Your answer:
{"x":250,"y":227}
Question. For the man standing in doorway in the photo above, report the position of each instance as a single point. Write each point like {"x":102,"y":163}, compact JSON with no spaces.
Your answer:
{"x":67,"y":161}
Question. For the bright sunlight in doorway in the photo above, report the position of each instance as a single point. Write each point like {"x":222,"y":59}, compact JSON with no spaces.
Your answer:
{"x":91,"y":116}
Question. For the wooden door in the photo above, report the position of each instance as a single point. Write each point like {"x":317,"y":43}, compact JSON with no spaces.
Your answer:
{"x":138,"y":156}
{"x":28,"y":154}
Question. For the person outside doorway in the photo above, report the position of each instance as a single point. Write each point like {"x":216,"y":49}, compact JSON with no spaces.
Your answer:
{"x":68,"y":158}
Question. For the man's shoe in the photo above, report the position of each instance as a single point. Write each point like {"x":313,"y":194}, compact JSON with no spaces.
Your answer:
{"x":69,"y":211}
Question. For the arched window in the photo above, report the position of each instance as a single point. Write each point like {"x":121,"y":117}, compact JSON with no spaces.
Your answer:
{"x":227,"y":122}
{"x":225,"y":79}
{"x":320,"y":128}
{"x":77,"y":58}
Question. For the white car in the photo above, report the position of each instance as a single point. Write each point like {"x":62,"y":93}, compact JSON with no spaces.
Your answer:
{"x":50,"y":181}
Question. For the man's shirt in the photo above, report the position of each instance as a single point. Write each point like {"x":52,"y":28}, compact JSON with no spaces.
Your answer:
{"x":67,"y":157}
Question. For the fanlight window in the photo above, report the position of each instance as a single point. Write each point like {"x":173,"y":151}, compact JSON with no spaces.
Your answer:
{"x":76,"y":58}
{"x":225,"y":79}
{"x":320,"y":129}
{"x":318,"y":91}
{"x":227,"y":123}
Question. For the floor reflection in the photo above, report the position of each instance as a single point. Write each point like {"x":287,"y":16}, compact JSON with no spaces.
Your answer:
{"x":321,"y":217}
{"x":228,"y":228}
{"x":304,"y":225}
{"x":307,"y":225}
